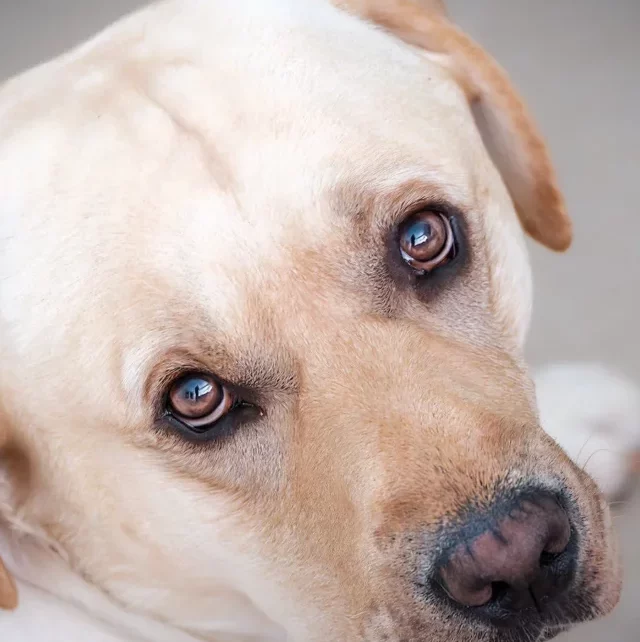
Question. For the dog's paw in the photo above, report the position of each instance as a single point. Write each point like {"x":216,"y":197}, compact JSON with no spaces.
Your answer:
{"x":594,"y":414}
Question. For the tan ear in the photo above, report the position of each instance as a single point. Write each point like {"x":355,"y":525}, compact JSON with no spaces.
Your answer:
{"x":508,"y":130}
{"x":635,"y":462}
{"x":8,"y":590}
{"x":437,"y":7}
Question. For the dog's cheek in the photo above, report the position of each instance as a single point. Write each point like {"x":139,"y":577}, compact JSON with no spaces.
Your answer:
{"x":510,"y":279}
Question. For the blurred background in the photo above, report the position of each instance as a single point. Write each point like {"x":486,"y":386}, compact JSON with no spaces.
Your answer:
{"x":577,"y":63}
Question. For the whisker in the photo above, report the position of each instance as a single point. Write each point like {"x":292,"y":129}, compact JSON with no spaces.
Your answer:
{"x":583,"y":447}
{"x":595,"y":452}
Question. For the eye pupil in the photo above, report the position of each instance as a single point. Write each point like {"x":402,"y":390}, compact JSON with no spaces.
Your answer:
{"x":198,"y":390}
{"x":421,"y":237}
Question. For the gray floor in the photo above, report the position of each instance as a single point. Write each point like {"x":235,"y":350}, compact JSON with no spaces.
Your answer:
{"x":578,"y":64}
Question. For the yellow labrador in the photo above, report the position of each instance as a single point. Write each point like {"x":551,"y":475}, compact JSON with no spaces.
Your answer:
{"x":263,"y":295}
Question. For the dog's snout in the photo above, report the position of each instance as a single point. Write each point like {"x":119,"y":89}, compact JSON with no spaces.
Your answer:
{"x":512,"y":561}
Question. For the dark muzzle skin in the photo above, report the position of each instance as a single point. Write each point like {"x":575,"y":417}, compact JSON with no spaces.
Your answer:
{"x":514,"y":568}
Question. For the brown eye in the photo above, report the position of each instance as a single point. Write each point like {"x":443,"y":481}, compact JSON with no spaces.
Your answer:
{"x":426,"y":240}
{"x":198,"y":400}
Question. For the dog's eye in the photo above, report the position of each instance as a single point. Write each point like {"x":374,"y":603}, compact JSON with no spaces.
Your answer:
{"x":426,"y":240}
{"x":198,"y":401}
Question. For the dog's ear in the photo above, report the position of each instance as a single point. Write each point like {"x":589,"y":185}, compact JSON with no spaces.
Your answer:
{"x":508,"y":130}
{"x":435,"y":6}
{"x":8,"y":590}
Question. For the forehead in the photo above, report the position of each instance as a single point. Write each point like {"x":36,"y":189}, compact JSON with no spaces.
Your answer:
{"x":201,"y":145}
{"x":277,"y":107}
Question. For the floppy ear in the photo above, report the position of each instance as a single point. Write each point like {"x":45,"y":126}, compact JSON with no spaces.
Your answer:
{"x":435,"y":6}
{"x":508,"y":130}
{"x":8,"y":590}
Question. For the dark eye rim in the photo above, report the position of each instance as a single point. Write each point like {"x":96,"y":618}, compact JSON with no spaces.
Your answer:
{"x":242,"y":411}
{"x":219,"y":431}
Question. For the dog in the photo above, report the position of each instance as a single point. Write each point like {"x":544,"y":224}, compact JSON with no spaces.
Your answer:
{"x":264,"y":292}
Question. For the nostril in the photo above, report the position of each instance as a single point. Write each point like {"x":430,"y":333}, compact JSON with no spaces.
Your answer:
{"x":559,"y":533}
{"x":547,"y":559}
{"x":498,"y":591}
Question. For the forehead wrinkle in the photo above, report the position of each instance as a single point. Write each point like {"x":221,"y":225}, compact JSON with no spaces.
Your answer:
{"x":184,"y":74}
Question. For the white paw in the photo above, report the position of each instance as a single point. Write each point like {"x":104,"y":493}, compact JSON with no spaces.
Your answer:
{"x":594,"y":414}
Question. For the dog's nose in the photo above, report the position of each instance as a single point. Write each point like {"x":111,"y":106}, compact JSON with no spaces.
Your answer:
{"x":516,"y":558}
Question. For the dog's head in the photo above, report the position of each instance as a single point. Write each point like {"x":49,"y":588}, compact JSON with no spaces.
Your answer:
{"x":263,"y":297}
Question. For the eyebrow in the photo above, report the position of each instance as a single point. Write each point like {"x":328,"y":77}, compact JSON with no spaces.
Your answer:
{"x":194,"y":342}
{"x":254,"y":371}
{"x":386,"y":201}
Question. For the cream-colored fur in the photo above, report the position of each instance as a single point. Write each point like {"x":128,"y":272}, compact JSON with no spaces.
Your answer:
{"x":593,"y":412}
{"x":212,"y":185}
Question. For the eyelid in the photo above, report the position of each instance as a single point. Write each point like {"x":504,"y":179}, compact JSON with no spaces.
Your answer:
{"x":241,"y":416}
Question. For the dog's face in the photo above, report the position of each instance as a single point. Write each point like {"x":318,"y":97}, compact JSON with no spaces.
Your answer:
{"x":263,"y":300}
